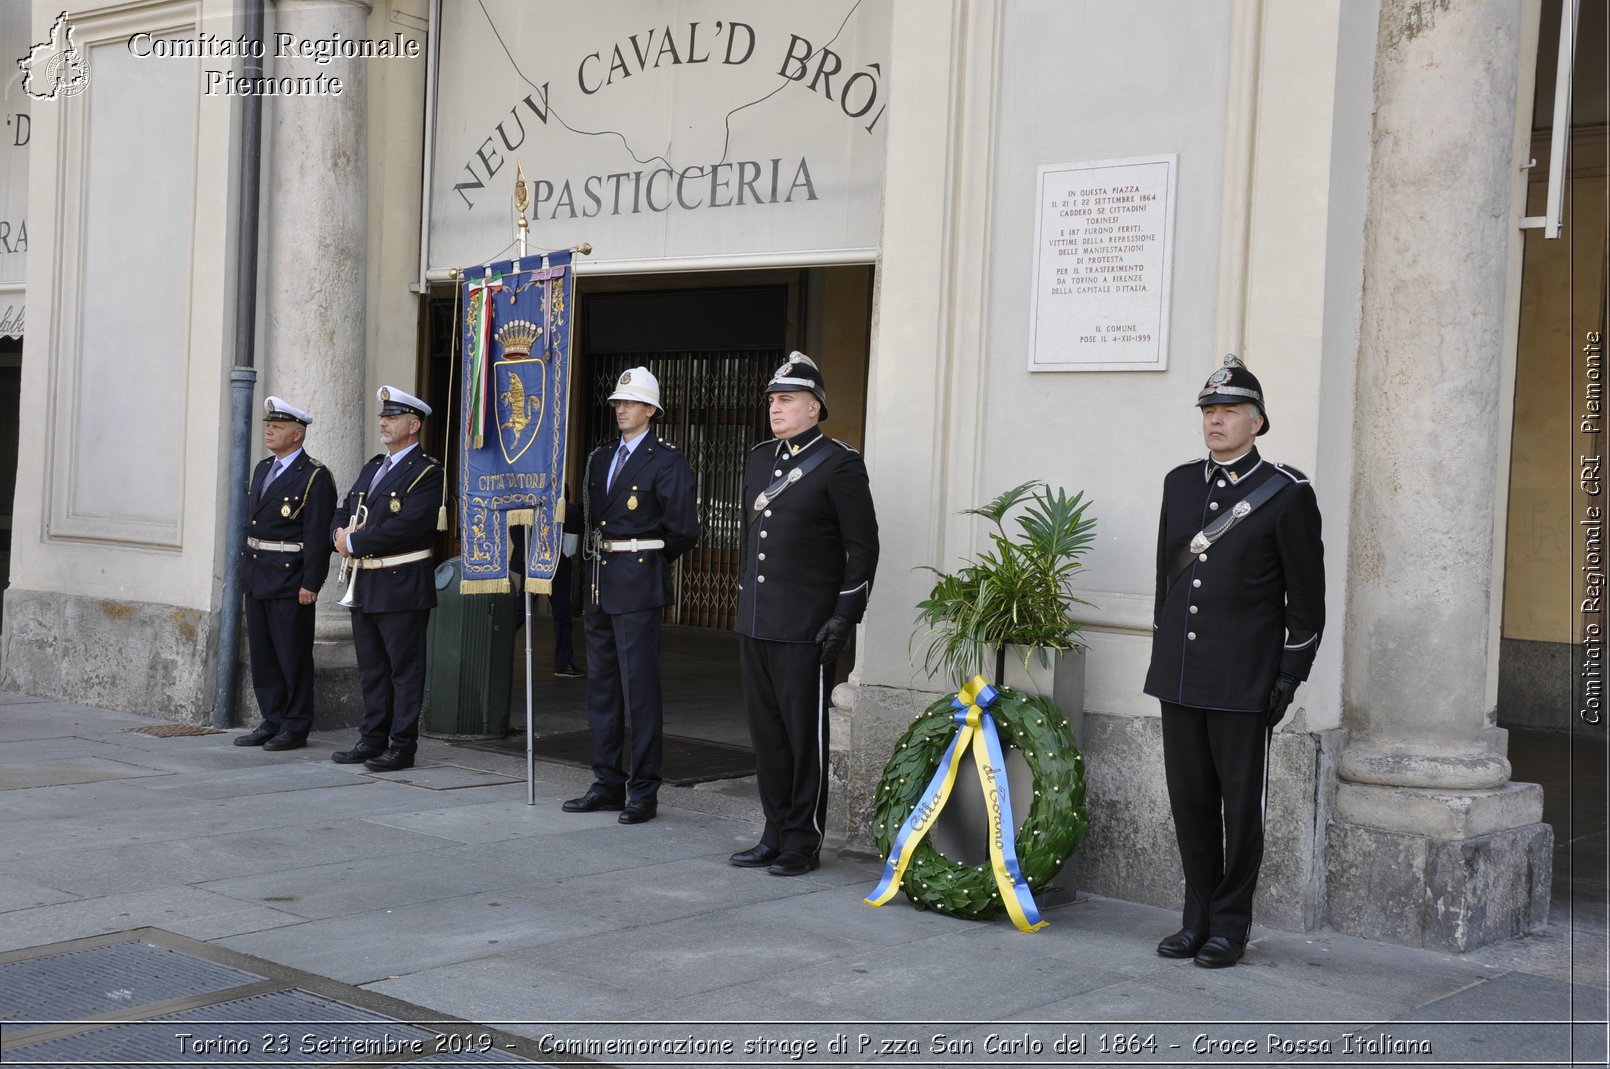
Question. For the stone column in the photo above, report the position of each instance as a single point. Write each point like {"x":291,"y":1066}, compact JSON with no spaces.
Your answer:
{"x":1432,"y":844}
{"x":315,"y":215}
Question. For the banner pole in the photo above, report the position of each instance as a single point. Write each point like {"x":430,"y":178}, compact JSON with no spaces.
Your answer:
{"x":530,"y":732}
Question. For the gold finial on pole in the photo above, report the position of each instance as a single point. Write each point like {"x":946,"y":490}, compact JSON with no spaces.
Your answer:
{"x":585,"y":248}
{"x":522,"y":199}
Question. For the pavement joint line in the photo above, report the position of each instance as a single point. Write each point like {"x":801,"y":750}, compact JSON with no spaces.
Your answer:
{"x":277,"y":978}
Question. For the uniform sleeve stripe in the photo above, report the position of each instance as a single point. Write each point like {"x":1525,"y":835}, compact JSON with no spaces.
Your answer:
{"x":853,"y":589}
{"x":1304,"y":645}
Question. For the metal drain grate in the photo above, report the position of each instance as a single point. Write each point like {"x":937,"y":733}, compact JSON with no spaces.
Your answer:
{"x":170,"y":731}
{"x":107,"y":979}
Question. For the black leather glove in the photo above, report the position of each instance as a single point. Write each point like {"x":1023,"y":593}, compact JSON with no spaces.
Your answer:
{"x":1280,"y":698}
{"x":832,"y":637}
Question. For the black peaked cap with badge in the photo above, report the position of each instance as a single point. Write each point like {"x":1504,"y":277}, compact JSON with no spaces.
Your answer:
{"x":810,"y":543}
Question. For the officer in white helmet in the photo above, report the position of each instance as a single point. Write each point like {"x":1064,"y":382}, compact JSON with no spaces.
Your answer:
{"x":640,"y":515}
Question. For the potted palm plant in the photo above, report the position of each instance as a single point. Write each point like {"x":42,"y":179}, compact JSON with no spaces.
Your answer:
{"x":1005,"y":611}
{"x":1002,"y":614}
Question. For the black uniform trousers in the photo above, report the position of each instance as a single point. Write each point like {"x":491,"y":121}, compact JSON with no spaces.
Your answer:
{"x":1216,"y":765}
{"x":279,"y":633}
{"x":787,"y":691}
{"x":623,"y":693}
{"x":391,"y":668}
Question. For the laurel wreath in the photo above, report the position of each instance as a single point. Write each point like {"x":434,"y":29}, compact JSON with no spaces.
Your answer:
{"x":1057,"y":820}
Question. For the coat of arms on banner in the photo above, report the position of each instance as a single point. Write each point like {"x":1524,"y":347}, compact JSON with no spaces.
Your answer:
{"x":516,"y":383}
{"x":520,"y":381}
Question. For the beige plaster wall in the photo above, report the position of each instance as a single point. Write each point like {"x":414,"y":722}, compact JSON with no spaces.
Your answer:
{"x":1561,"y":285}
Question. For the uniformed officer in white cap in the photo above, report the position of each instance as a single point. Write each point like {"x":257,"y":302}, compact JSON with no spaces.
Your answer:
{"x":640,"y":516}
{"x":810,"y":551}
{"x":282,"y":567}
{"x":1240,"y":605}
{"x":395,"y":589}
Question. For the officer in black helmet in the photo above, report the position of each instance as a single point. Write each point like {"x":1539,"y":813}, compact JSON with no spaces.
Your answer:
{"x":810,"y":551}
{"x":1238,"y":614}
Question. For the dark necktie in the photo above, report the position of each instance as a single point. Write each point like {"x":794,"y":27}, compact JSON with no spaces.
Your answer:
{"x":620,"y":462}
{"x":273,"y":473}
{"x":380,"y":473}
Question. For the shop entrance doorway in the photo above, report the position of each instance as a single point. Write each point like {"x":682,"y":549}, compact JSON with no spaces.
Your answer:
{"x":713,"y":340}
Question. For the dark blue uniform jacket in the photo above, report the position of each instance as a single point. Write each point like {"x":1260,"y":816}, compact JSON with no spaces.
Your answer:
{"x":297,"y":509}
{"x":402,"y":518}
{"x":652,"y":497}
{"x":1253,"y":604}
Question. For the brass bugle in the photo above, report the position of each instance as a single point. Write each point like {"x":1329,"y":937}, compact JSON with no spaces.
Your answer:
{"x":349,"y":570}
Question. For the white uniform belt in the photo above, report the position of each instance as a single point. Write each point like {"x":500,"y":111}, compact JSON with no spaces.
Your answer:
{"x":392,"y":561}
{"x":632,"y":545}
{"x":275,"y":547}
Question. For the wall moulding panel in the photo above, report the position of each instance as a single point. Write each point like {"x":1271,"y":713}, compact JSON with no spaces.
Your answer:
{"x":120,"y":333}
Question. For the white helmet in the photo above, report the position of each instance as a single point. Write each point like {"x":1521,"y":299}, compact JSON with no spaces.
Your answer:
{"x":638,"y":384}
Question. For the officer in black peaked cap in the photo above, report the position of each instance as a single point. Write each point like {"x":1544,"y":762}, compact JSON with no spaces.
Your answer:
{"x":810,"y":551}
{"x":394,"y":588}
{"x":1238,"y":614}
{"x":285,"y":562}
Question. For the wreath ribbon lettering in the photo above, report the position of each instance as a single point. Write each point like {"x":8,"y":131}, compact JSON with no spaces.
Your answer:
{"x":975,"y":730}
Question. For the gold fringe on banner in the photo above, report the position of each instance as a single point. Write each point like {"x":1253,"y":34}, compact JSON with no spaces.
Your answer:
{"x":522,"y":517}
{"x":483,"y":586}
{"x":540,"y":586}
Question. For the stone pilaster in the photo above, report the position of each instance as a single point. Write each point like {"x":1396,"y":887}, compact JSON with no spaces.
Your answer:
{"x":1431,"y":843}
{"x":315,"y":212}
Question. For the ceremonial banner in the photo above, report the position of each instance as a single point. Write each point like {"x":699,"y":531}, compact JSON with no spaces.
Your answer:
{"x":516,"y":402}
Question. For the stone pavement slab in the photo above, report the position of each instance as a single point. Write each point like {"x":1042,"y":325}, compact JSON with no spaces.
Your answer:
{"x":512,"y":987}
{"x":366,"y":884}
{"x":184,"y":910}
{"x":390,"y":942}
{"x":695,"y":954}
{"x":473,"y":903}
{"x":54,"y":772}
{"x":149,"y":865}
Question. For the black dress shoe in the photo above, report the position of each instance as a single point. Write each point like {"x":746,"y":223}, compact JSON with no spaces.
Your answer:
{"x":1182,"y":944}
{"x":792,"y":863}
{"x":759,"y":856}
{"x":286,"y":741}
{"x":393,"y":760}
{"x":357,"y":755}
{"x":639,"y":812}
{"x":259,"y":736}
{"x":1219,"y":953}
{"x":595,"y":799}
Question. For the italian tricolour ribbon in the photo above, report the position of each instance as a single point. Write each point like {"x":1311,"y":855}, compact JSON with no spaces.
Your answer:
{"x":480,"y":312}
{"x":975,"y":729}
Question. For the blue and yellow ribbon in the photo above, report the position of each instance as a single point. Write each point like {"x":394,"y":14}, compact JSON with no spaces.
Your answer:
{"x":975,"y":728}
